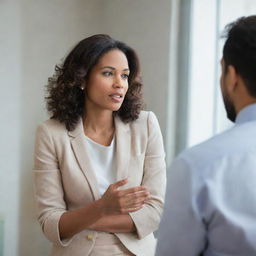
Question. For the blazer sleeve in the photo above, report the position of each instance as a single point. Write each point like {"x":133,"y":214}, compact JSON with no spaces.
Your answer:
{"x":48,"y":188}
{"x":147,"y":219}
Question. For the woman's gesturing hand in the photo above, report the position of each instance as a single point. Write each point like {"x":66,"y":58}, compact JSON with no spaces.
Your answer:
{"x":116,"y":201}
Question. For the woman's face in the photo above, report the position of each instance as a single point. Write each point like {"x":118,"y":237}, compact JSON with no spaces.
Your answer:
{"x":108,"y":82}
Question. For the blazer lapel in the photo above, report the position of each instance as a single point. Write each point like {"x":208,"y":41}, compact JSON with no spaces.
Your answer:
{"x":79,"y":146}
{"x":123,"y":148}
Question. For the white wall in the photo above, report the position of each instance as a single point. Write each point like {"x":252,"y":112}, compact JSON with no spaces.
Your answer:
{"x":10,"y":104}
{"x":36,"y":35}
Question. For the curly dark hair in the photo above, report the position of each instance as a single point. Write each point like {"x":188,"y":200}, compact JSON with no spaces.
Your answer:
{"x":240,"y":50}
{"x":65,"y":99}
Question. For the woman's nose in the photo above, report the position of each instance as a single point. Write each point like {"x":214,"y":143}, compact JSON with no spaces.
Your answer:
{"x":118,"y":83}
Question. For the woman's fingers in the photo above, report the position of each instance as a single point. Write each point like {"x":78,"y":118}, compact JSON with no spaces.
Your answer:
{"x":133,"y":209}
{"x":134,"y":200}
{"x":124,"y":192}
{"x":126,"y":200}
{"x":133,"y":190}
{"x":133,"y":197}
{"x":119,"y":183}
{"x":137,"y":197}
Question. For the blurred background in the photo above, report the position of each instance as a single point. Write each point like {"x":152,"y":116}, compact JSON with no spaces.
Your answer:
{"x":179,"y":44}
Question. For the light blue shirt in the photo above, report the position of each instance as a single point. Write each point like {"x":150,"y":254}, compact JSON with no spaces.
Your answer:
{"x":210,"y":204}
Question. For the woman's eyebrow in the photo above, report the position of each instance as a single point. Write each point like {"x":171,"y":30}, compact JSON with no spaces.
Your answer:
{"x":126,"y":69}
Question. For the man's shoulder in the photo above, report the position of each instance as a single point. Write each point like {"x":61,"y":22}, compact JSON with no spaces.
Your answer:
{"x":231,"y":142}
{"x":213,"y":145}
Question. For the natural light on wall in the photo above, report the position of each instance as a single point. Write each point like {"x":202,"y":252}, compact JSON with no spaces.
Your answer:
{"x":206,"y":115}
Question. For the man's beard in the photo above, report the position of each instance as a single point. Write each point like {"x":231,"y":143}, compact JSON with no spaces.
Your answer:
{"x":230,"y":108}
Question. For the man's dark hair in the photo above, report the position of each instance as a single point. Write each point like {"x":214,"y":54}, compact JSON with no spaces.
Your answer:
{"x":240,"y":50}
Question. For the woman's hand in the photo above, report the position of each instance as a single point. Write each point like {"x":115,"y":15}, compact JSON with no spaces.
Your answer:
{"x":116,"y":201}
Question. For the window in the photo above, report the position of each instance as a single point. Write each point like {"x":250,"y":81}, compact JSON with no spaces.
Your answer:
{"x":200,"y":110}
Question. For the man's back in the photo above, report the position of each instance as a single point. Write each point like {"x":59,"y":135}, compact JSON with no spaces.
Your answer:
{"x":211,"y":195}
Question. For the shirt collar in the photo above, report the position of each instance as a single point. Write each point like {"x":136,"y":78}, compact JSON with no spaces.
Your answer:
{"x":246,"y":114}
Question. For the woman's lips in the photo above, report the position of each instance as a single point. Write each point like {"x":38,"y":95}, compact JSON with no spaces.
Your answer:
{"x":116,"y":97}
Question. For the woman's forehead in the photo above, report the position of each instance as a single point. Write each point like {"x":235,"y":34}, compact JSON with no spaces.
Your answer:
{"x":113,"y":58}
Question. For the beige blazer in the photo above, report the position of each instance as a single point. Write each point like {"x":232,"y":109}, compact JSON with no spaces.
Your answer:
{"x":64,"y":180}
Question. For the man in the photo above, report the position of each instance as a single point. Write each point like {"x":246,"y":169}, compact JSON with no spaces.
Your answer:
{"x":211,"y":195}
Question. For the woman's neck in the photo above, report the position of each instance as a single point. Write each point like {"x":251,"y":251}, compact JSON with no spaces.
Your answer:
{"x":99,"y":126}
{"x":99,"y":122}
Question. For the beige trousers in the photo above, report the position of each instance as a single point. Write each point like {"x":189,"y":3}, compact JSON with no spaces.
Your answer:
{"x":108,"y":244}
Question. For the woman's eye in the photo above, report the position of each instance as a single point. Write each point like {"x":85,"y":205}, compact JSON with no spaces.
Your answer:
{"x":107,"y":73}
{"x":125,"y":76}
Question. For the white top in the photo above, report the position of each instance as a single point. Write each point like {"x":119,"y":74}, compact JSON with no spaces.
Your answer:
{"x":210,"y":203}
{"x":103,"y":163}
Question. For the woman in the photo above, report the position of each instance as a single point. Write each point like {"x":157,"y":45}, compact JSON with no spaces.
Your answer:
{"x":99,"y":161}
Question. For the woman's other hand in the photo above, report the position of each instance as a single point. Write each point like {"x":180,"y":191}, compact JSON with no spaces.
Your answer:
{"x":117,"y":201}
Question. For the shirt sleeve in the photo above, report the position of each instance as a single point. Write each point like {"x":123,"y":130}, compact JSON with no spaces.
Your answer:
{"x":147,"y":219}
{"x":181,"y":231}
{"x":48,"y":188}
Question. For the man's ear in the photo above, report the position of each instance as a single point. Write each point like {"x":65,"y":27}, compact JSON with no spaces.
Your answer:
{"x":231,"y":78}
